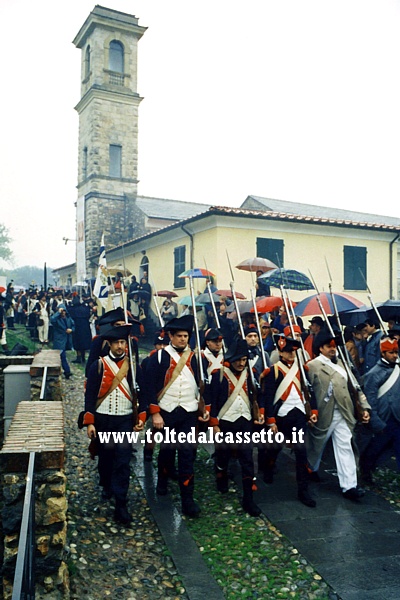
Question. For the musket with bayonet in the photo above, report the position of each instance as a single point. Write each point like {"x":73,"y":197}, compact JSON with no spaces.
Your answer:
{"x":135,"y":387}
{"x":354,"y":386}
{"x":373,"y":305}
{"x":214,"y":308}
{"x":203,"y":413}
{"x":253,"y":298}
{"x":254,"y":384}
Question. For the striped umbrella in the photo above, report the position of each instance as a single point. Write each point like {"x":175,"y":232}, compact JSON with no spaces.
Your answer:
{"x":309,"y":306}
{"x":197,"y":273}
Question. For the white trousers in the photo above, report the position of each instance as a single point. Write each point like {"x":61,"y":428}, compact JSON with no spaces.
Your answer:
{"x":344,"y":456}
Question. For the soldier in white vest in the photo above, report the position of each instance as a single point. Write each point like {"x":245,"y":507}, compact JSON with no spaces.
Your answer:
{"x":172,"y":390}
{"x":231,"y":418}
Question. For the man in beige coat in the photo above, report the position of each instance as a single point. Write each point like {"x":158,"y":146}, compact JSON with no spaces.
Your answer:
{"x":336,"y":419}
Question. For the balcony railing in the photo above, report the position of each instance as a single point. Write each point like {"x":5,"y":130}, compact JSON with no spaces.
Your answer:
{"x":116,"y":78}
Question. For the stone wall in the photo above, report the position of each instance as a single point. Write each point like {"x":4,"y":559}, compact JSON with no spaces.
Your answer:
{"x":50,"y":533}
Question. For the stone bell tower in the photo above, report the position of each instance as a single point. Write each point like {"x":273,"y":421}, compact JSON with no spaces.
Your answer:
{"x":108,"y":132}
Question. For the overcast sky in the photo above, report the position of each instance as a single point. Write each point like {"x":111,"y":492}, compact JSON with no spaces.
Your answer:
{"x":295,"y":100}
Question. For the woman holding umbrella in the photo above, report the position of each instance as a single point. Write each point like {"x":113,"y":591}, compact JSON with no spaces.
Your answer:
{"x":168,"y":311}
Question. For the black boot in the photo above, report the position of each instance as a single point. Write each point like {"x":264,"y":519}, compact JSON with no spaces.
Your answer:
{"x":121,"y":514}
{"x":305,"y":497}
{"x":190,"y":508}
{"x":248,"y":503}
{"x":148,"y":454}
{"x":268,"y":469}
{"x":106,"y":494}
{"x":302,"y":486}
{"x":222,"y":481}
{"x":162,"y":482}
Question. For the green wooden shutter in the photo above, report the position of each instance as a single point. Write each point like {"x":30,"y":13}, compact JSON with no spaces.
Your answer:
{"x":271,"y":249}
{"x":355,"y":267}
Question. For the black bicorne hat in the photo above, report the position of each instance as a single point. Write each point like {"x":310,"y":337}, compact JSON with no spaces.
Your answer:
{"x":181,"y":324}
{"x":237,"y":349}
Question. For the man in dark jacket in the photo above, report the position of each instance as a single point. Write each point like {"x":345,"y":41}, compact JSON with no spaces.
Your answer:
{"x":82,"y":336}
{"x":372,"y":351}
{"x":382,"y":388}
{"x":63,"y":326}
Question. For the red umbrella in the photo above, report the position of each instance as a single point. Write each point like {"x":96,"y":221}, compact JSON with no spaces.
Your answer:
{"x":309,"y":306}
{"x":268,"y":303}
{"x":166,"y":294}
{"x":257,"y":264}
{"x":228,"y":294}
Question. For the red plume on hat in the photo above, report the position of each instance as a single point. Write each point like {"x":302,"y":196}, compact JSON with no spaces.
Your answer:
{"x":388,"y":344}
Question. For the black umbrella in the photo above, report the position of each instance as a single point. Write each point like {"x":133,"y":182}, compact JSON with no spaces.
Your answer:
{"x":143,"y":294}
{"x":356,"y":315}
{"x":389,"y":310}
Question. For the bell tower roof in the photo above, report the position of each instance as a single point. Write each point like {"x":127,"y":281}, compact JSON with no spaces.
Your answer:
{"x":108,"y":19}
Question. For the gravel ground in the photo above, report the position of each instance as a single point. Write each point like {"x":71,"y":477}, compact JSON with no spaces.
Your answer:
{"x":106,"y":559}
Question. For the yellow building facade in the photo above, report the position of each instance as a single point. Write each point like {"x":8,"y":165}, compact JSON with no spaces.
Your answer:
{"x":313,"y":246}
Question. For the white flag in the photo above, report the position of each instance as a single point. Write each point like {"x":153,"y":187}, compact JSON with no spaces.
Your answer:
{"x":100,"y":290}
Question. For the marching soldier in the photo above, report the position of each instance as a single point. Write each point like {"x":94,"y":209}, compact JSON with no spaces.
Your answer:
{"x":212,"y":353}
{"x":231,"y":416}
{"x":172,"y":390}
{"x":286,"y":413}
{"x":110,"y":406}
{"x":254,"y":350}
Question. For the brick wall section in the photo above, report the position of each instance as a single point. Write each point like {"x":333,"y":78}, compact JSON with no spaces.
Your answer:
{"x":5,"y":361}
{"x":51,"y":360}
{"x":30,"y":431}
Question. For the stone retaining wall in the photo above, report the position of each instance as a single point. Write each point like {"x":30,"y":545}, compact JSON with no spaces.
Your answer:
{"x":30,"y":431}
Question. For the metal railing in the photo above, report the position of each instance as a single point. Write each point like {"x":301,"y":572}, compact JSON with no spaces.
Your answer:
{"x":116,"y":79}
{"x":44,"y":381}
{"x":24,"y":576}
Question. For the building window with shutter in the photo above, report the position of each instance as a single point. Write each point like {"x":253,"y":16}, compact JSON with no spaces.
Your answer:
{"x":355,"y":267}
{"x":115,"y":161}
{"x":270,"y":248}
{"x":179,"y":266}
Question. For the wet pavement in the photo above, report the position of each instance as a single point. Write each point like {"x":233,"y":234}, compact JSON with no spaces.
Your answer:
{"x":188,"y":560}
{"x":354,"y":546}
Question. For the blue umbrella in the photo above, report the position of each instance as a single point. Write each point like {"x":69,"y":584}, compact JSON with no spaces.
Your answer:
{"x":289,"y":278}
{"x":187,"y":301}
